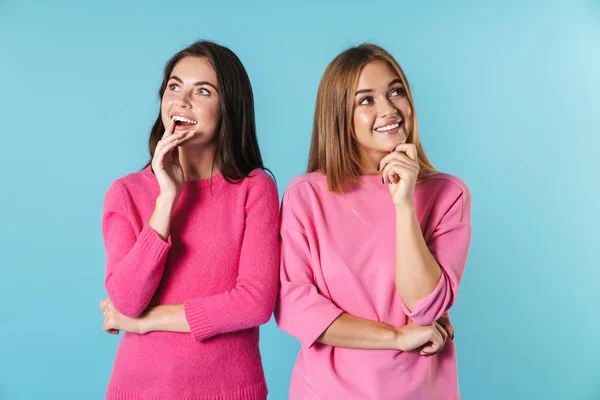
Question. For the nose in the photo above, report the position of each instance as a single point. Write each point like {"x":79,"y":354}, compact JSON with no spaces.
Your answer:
{"x":387,"y":109}
{"x":183,"y":101}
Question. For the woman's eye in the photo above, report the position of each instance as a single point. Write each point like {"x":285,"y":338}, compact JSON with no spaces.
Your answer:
{"x":398,"y":92}
{"x":366,"y":100}
{"x":203,"y":92}
{"x":173,"y":87}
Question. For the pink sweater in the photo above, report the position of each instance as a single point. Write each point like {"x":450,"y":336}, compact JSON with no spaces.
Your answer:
{"x":338,"y":255}
{"x":221,"y":261}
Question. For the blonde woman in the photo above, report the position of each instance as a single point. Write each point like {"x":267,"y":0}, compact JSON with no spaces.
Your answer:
{"x":374,"y":242}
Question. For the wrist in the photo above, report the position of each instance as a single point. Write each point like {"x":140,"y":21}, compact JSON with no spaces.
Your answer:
{"x":405,"y":208}
{"x":402,"y":343}
{"x":143,"y":323}
{"x":166,"y":201}
{"x":399,"y":340}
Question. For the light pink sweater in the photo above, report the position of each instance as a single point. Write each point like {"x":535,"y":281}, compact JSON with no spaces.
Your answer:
{"x":221,"y":261}
{"x":338,"y":255}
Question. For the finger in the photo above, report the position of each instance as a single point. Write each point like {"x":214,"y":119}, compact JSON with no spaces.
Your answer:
{"x":406,"y":159}
{"x":169,"y":129}
{"x":176,"y":137}
{"x":410,"y":150}
{"x":108,"y":324}
{"x":436,"y":341}
{"x":175,"y":157}
{"x":186,"y":136}
{"x":388,"y":174}
{"x":165,"y":147}
{"x":445,"y":322}
{"x":396,"y":156}
{"x":395,"y":170}
{"x":169,"y":139}
{"x":442,"y":331}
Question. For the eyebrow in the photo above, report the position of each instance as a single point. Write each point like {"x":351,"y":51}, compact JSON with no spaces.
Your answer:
{"x":395,"y":81}
{"x":199,"y":83}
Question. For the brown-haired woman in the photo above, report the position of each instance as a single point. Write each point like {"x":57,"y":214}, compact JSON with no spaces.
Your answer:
{"x":192,"y":242}
{"x":374,"y":243}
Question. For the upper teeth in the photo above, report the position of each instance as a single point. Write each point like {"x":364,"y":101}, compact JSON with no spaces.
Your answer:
{"x":388,"y":127}
{"x":182,"y":119}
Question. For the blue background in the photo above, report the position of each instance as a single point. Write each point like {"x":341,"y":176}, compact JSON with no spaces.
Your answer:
{"x":507,"y":94}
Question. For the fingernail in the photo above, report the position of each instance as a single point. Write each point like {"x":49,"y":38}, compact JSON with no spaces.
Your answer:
{"x":378,"y":166}
{"x":382,"y":181}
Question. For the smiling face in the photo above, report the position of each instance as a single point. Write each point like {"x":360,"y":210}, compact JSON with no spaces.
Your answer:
{"x":382,"y":115}
{"x":192,"y":99}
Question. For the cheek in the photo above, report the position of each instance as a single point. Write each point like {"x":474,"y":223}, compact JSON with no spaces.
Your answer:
{"x":164,"y":111}
{"x":403,"y":105}
{"x":363,"y":122}
{"x":167,"y":101}
{"x":209,"y":114}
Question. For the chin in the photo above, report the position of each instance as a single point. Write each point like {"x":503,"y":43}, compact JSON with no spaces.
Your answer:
{"x":389,"y":144}
{"x":197,"y":140}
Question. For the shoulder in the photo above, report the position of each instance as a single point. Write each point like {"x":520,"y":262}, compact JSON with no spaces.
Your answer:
{"x":260,"y":180}
{"x":130,"y":183}
{"x":447,"y":194}
{"x":259,"y":191}
{"x":446,"y":185}
{"x":134,"y":180}
{"x":302,"y":195}
{"x":312,"y":181}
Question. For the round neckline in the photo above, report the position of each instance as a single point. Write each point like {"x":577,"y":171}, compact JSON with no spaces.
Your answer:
{"x":373,"y":181}
{"x":206,"y":182}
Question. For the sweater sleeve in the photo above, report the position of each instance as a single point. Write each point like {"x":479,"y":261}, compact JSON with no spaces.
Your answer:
{"x":134,"y":262}
{"x":251,"y":302}
{"x":302,"y":311}
{"x":449,"y":245}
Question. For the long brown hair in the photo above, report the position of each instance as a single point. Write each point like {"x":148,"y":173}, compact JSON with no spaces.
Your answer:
{"x":334,"y":149}
{"x":237,"y":152}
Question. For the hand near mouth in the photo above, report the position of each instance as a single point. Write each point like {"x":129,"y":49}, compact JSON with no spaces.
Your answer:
{"x":400,"y":170}
{"x":165,"y":163}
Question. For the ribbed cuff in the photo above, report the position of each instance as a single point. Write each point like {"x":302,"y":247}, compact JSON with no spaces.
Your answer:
{"x":197,"y":319}
{"x":152,"y":243}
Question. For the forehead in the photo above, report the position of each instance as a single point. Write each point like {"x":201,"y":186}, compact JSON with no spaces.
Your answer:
{"x":376,"y":74}
{"x":195,"y":69}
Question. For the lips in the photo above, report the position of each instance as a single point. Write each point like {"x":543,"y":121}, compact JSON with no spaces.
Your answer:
{"x":389,"y":127}
{"x":183,"y":120}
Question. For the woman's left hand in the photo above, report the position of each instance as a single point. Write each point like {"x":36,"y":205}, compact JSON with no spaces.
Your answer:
{"x":400,"y":169}
{"x":445,"y":322}
{"x":114,"y":321}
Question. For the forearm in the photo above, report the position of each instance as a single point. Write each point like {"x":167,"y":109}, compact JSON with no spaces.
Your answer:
{"x":160,"y":220}
{"x":134,"y":268}
{"x":417,"y":271}
{"x":358,"y":333}
{"x":169,"y":318}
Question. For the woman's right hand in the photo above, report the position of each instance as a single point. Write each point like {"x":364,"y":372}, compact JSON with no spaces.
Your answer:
{"x":165,"y":163}
{"x":429,"y":338}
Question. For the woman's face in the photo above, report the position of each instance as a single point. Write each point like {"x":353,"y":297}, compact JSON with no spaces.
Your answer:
{"x":192,"y":99}
{"x":382,"y":113}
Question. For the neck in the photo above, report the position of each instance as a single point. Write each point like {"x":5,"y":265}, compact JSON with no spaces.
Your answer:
{"x":197,"y":162}
{"x":369,"y":160}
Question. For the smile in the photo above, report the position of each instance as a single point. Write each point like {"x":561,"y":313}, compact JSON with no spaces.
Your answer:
{"x":388,"y":128}
{"x":179,"y":120}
